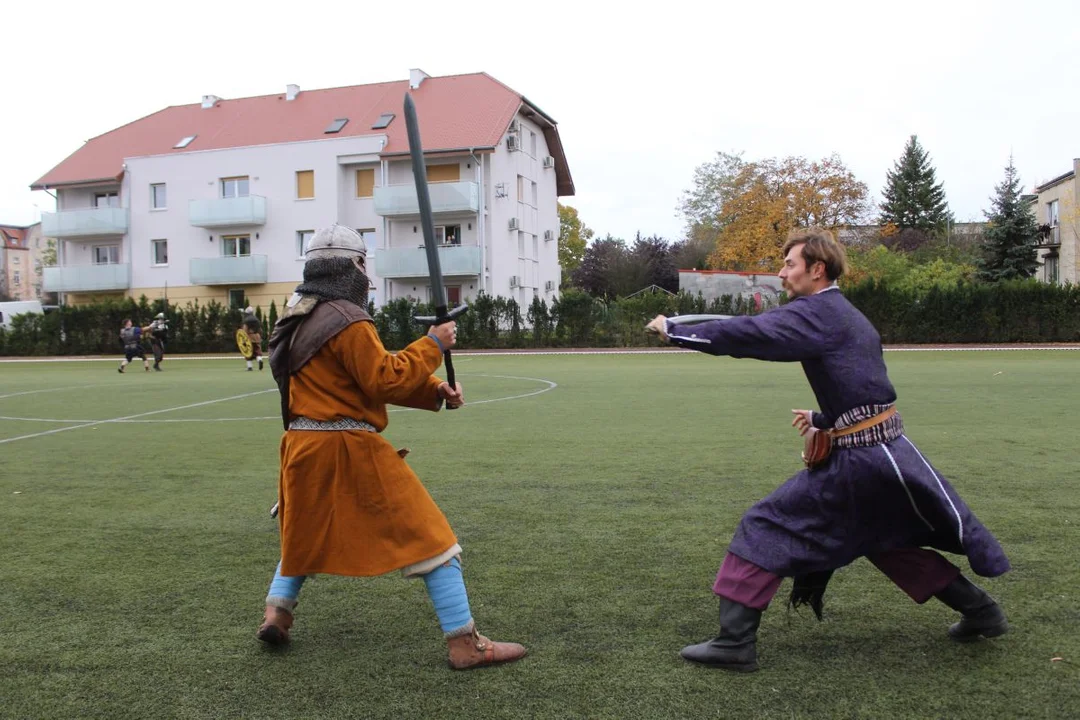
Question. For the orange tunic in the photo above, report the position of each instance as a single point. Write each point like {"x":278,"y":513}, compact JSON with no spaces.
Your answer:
{"x":348,"y":504}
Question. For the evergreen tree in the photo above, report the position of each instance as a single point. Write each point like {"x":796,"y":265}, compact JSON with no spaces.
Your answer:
{"x":1008,"y":250}
{"x":913,"y":196}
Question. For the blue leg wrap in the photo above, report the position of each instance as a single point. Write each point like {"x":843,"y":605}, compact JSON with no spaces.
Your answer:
{"x":284,"y":590}
{"x":446,"y":588}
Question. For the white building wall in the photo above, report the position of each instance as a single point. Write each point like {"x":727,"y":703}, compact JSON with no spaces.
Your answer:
{"x":272,"y":174}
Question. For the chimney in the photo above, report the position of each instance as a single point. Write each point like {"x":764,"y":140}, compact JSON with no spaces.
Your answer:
{"x":208,"y":101}
{"x":417,"y":76}
{"x":291,"y":91}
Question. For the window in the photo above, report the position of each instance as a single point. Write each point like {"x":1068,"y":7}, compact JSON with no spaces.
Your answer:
{"x":534,"y":198}
{"x":232,"y":187}
{"x":336,"y":126}
{"x":184,"y":142}
{"x":159,"y":252}
{"x":532,"y":143}
{"x":453,"y":295}
{"x":448,"y":234}
{"x":521,"y":189}
{"x":236,"y":298}
{"x":15,"y":259}
{"x":1050,"y":269}
{"x":15,"y":277}
{"x":521,"y":244}
{"x":236,"y":245}
{"x":536,"y":248}
{"x":1052,"y":217}
{"x":303,"y":237}
{"x":305,"y":184}
{"x":444,"y":173}
{"x":157,"y":196}
{"x":383,"y":121}
{"x":104,"y":200}
{"x":106,"y":254}
{"x":365,"y":183}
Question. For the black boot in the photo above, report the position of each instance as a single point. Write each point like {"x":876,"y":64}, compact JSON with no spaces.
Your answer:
{"x":735,"y":648}
{"x":981,"y":615}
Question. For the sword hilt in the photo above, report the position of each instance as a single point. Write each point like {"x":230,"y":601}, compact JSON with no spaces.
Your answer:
{"x":441,"y":317}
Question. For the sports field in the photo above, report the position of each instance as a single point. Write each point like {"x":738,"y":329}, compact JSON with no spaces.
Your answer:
{"x":594,"y":496}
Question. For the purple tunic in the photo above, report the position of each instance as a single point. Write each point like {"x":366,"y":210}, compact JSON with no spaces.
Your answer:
{"x":863,"y":500}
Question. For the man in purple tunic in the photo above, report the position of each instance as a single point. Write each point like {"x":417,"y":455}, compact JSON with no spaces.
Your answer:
{"x":874,"y":496}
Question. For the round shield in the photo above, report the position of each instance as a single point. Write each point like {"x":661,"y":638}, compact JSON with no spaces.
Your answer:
{"x":244,"y":343}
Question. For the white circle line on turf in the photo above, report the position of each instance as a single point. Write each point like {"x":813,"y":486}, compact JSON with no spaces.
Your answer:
{"x":551,"y":385}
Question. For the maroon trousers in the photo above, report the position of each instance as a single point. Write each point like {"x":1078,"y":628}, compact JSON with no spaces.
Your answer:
{"x":918,"y":572}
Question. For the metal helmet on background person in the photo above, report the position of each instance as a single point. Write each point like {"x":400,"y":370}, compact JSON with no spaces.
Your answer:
{"x":159,"y":316}
{"x":336,"y":241}
{"x":249,"y":310}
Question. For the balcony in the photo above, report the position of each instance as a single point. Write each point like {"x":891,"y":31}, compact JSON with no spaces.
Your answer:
{"x":393,"y":263}
{"x":86,"y":278}
{"x":86,"y":222}
{"x":243,"y":270}
{"x":228,"y":212}
{"x":1049,"y":236}
{"x":446,"y":197}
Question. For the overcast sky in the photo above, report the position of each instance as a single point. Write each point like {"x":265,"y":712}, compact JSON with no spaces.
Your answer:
{"x":643,"y":93}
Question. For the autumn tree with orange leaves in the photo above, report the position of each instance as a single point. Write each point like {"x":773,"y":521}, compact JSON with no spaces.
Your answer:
{"x":755,"y":205}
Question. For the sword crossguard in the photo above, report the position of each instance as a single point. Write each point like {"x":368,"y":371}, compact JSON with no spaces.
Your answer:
{"x":440,"y":319}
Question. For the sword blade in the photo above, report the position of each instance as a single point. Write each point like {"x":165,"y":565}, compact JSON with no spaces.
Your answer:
{"x":694,"y":319}
{"x":427,"y":223}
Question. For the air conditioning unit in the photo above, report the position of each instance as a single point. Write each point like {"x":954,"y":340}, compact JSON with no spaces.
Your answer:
{"x":514,"y":281}
{"x":514,"y":224}
{"x":549,"y":285}
{"x":513,"y":143}
{"x":515,"y":126}
{"x":549,"y":162}
{"x":549,"y":236}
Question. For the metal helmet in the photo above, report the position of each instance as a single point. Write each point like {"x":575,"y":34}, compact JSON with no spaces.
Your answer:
{"x":336,"y":241}
{"x":159,"y":316}
{"x":249,"y":310}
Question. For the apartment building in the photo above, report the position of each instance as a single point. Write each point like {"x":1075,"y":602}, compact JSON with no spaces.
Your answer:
{"x":216,"y":200}
{"x":21,"y":247}
{"x":1056,"y":204}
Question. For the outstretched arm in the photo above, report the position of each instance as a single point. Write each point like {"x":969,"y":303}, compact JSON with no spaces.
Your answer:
{"x":789,"y":334}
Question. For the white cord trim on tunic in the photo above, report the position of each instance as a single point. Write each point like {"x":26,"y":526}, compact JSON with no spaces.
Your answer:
{"x":900,"y":476}
{"x":959,"y":521}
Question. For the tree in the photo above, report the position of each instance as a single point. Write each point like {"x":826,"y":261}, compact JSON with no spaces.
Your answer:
{"x":691,"y":253}
{"x":653,"y":255}
{"x":599,"y":265}
{"x":1008,"y":250}
{"x":714,"y":185}
{"x":574,"y":235}
{"x":768,"y":198}
{"x":913,"y":198}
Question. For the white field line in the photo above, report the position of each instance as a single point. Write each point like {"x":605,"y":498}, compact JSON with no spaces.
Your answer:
{"x":551,"y":385}
{"x":48,"y":390}
{"x":132,"y":417}
{"x":464,"y":354}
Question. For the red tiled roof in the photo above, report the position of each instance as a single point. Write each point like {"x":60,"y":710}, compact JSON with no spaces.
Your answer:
{"x":455,"y":112}
{"x":14,"y":237}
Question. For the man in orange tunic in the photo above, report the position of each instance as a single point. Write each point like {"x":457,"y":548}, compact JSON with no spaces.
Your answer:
{"x":348,"y":503}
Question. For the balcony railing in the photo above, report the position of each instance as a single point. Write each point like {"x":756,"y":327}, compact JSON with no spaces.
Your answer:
{"x":229,"y":270}
{"x":228,"y":212}
{"x":399,"y":200}
{"x":85,"y":222}
{"x":86,"y":278}
{"x":412,"y":262}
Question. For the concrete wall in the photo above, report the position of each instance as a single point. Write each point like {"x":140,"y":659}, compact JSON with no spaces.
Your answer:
{"x":713,"y":284}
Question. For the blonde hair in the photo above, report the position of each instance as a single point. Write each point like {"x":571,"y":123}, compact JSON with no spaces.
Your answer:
{"x":819,"y":245}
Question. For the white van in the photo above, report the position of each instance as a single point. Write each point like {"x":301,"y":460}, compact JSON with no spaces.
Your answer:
{"x":9,"y":310}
